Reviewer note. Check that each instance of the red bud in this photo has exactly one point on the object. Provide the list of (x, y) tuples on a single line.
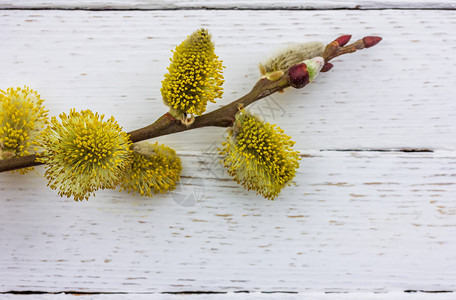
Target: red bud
[(298, 75), (327, 67), (370, 41), (343, 40)]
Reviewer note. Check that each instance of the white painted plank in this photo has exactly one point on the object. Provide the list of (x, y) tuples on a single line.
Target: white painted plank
[(223, 4), (249, 296), (354, 222), (396, 95)]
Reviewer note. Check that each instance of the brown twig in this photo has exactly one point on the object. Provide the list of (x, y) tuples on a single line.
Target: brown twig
[(224, 116)]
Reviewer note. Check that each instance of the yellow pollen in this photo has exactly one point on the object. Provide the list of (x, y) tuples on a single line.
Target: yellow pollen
[(194, 76), (259, 155), (155, 169), (83, 153), (22, 116)]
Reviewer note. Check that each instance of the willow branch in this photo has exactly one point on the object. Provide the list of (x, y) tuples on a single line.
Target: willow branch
[(224, 116)]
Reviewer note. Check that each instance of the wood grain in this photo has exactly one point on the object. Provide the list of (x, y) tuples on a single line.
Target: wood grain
[(396, 95), (248, 296), (223, 4), (358, 222), (354, 222)]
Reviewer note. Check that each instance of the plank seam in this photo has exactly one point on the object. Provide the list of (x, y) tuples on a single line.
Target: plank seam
[(405, 150), (450, 8), (194, 292)]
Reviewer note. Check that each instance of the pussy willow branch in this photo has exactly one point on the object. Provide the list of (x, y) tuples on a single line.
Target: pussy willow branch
[(222, 117)]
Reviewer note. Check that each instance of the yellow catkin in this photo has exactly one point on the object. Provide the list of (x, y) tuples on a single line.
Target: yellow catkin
[(194, 76), (22, 117), (259, 155), (84, 153), (155, 169)]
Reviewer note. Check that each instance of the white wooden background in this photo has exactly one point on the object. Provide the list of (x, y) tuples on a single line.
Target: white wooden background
[(373, 212)]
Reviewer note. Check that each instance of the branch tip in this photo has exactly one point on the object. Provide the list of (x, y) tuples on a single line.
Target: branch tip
[(327, 67), (343, 40), (371, 41)]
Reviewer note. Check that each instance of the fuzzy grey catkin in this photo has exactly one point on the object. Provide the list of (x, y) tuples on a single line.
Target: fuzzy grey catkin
[(290, 56)]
